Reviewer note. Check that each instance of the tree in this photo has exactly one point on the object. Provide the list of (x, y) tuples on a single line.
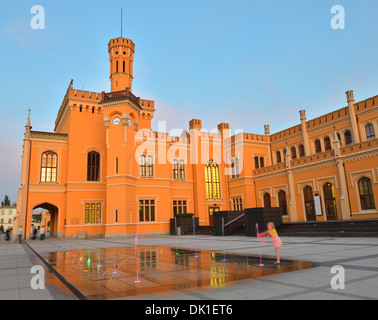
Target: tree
[(6, 202)]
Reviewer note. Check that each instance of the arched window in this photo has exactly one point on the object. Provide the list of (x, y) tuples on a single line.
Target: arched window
[(93, 167), (142, 166), (366, 194), (282, 202), (262, 162), (124, 67), (182, 170), (309, 203), (318, 146), (117, 66), (150, 166), (235, 167), (330, 201), (301, 151), (370, 134), (267, 200), (212, 181), (327, 144), (293, 153), (256, 162), (175, 169), (278, 157), (49, 167), (348, 137)]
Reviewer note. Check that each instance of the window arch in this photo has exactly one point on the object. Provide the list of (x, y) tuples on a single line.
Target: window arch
[(93, 166), (212, 181), (348, 137), (49, 167), (366, 194), (327, 144), (267, 203), (257, 166), (330, 201), (370, 133), (282, 202), (150, 166), (318, 146)]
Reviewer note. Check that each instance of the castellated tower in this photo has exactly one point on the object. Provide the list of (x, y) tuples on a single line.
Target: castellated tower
[(121, 57)]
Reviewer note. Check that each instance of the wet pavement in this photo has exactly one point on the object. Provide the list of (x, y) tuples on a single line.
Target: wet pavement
[(108, 273)]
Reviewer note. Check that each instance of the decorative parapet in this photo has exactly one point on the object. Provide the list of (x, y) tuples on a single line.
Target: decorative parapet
[(48, 136)]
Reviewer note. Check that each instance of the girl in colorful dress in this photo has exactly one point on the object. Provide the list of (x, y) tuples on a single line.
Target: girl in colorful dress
[(277, 243)]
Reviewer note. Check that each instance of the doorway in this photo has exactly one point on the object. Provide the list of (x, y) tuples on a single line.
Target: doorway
[(211, 214)]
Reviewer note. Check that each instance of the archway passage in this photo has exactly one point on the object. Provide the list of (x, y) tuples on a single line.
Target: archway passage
[(45, 214)]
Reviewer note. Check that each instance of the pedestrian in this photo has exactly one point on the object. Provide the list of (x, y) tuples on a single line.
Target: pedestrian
[(34, 233), (19, 233), (7, 235), (276, 240), (42, 232)]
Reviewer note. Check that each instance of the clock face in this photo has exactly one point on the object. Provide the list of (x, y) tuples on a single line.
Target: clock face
[(116, 121)]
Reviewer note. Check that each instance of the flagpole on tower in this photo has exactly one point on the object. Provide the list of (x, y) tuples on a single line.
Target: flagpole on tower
[(121, 21)]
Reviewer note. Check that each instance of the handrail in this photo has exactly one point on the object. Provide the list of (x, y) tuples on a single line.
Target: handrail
[(232, 221)]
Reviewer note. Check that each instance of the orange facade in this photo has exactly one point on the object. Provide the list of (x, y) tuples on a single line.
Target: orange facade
[(103, 171)]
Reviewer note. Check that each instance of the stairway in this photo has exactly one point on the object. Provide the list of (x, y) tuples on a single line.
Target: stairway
[(205, 230), (350, 228)]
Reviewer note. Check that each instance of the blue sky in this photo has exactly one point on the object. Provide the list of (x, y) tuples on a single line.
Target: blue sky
[(245, 62)]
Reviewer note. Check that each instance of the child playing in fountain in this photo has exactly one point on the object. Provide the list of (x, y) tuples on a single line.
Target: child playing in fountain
[(277, 243)]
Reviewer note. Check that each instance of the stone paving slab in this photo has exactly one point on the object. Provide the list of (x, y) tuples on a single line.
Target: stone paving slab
[(358, 257)]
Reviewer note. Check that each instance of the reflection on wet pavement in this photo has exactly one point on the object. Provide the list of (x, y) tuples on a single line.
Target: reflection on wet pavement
[(131, 271)]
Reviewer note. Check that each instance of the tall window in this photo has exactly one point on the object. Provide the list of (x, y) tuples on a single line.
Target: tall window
[(293, 153), (370, 134), (49, 167), (366, 194), (182, 169), (267, 200), (235, 167), (175, 169), (146, 166), (327, 144), (92, 213), (212, 180), (146, 210), (262, 162), (318, 146), (348, 137), (142, 166), (93, 169), (150, 166), (256, 162), (330, 201), (301, 151), (278, 157), (282, 202), (309, 203)]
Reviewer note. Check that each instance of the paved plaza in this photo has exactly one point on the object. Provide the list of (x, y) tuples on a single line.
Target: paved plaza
[(357, 256)]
